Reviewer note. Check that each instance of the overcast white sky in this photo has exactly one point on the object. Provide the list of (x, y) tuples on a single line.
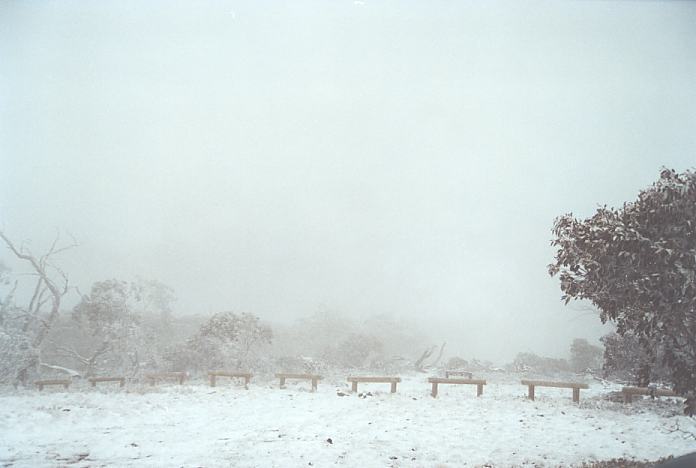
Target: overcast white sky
[(403, 157)]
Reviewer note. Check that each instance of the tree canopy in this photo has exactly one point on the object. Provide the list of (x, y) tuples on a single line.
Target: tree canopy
[(637, 265)]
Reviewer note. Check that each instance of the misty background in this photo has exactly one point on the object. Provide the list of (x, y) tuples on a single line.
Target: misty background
[(403, 158)]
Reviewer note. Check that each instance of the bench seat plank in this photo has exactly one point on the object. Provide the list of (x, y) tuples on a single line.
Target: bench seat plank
[(298, 376), (313, 377), (456, 381), (95, 380), (213, 375), (180, 376), (466, 374), (42, 383), (546, 383), (628, 392), (372, 379), (375, 379), (435, 381), (576, 386)]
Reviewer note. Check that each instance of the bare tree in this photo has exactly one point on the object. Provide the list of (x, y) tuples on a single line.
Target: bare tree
[(34, 321)]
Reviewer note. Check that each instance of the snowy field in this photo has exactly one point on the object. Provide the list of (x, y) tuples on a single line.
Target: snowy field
[(196, 425)]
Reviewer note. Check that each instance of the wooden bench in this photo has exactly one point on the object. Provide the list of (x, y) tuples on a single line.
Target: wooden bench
[(465, 374), (390, 380), (437, 381), (213, 375), (153, 378), (94, 380), (314, 378), (543, 383), (43, 383), (628, 392)]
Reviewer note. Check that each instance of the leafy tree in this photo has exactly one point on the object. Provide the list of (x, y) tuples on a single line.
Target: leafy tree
[(356, 350), (119, 327), (637, 265), (229, 339), (16, 351), (625, 358), (584, 356), (110, 321), (155, 298)]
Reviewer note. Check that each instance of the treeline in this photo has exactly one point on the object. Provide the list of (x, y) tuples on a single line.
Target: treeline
[(127, 328)]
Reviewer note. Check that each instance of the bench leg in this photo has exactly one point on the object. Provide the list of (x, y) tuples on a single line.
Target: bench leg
[(40, 387), (94, 383), (314, 385), (576, 395), (282, 382), (628, 398), (434, 392), (531, 392), (479, 390), (212, 380), (393, 387), (246, 383), (354, 387), (122, 382)]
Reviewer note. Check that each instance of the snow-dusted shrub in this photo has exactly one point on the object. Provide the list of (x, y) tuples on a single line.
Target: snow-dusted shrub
[(341, 342), (530, 362), (300, 364), (626, 358), (229, 340), (111, 335), (584, 356), (457, 363), (17, 354), (355, 351)]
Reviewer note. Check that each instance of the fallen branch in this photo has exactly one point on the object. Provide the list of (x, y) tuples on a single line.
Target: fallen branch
[(65, 370)]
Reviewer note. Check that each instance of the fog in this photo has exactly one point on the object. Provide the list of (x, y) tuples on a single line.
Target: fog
[(402, 158)]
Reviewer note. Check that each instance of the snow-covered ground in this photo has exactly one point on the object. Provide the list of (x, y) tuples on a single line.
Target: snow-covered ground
[(195, 425)]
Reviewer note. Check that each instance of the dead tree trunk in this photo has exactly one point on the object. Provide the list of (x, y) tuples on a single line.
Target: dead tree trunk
[(439, 355), (420, 365), (47, 290)]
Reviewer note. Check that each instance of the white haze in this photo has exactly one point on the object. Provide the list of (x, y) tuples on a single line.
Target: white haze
[(368, 157)]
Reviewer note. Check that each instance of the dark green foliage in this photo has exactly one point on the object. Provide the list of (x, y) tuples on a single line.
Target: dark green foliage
[(637, 265), (627, 359)]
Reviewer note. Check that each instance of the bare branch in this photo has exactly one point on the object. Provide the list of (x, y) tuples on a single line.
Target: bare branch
[(70, 372), (678, 430), (39, 266), (38, 302)]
